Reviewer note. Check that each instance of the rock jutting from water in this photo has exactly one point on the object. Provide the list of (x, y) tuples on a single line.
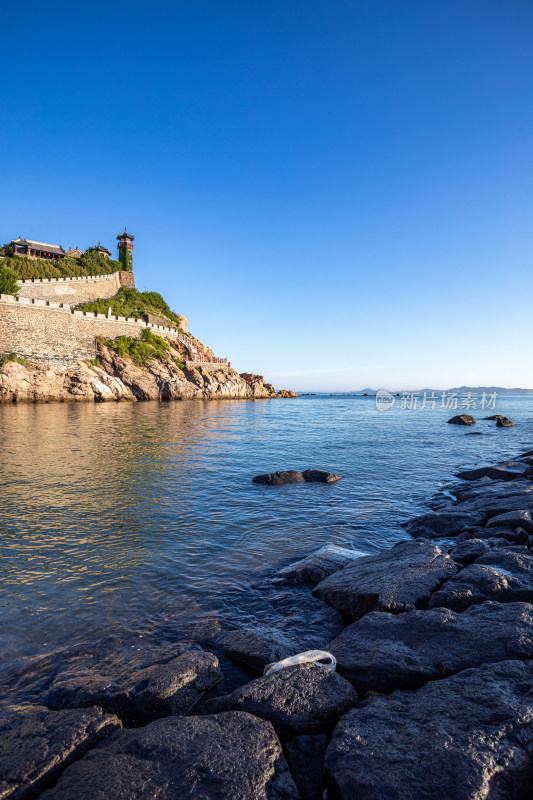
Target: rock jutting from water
[(293, 476), (432, 698)]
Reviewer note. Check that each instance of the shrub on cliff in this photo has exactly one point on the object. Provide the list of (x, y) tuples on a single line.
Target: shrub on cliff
[(8, 279), (140, 350), (28, 269)]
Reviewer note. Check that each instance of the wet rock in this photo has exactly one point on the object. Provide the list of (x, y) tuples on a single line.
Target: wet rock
[(279, 478), (513, 519), (396, 580), (255, 648), (486, 490), (444, 523), (383, 652), (318, 565), (504, 575), (302, 699), (232, 755), (504, 423), (293, 476), (158, 690), (320, 476), (462, 419), (509, 471), (466, 552), (37, 744), (494, 417), (466, 737), (305, 756), (516, 536)]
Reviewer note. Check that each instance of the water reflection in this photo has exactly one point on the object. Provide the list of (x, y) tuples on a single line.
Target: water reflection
[(121, 515)]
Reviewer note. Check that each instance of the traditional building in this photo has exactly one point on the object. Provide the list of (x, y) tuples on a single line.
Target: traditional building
[(73, 252), (102, 251), (125, 250), (31, 249)]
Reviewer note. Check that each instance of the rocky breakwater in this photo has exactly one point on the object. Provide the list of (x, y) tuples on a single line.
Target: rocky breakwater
[(113, 377), (432, 697)]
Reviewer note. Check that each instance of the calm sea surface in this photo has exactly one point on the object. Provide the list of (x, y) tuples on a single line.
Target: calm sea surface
[(118, 516)]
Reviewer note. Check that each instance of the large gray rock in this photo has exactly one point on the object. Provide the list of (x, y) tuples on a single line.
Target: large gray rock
[(396, 580), (232, 755), (257, 647), (508, 471), (520, 518), (383, 652), (445, 522), (304, 698), (503, 574), (36, 745), (158, 690), (466, 552), (467, 737), (318, 565)]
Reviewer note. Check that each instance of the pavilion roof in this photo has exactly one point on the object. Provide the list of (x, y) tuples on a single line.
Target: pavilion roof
[(46, 248)]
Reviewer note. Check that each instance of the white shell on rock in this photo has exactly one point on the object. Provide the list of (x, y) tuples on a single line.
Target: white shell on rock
[(320, 657)]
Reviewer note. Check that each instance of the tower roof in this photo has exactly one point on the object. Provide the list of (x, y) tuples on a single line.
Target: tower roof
[(126, 235)]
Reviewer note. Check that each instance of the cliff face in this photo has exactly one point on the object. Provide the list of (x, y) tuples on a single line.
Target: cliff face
[(118, 378)]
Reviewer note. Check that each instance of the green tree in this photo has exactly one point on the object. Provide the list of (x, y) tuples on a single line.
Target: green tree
[(8, 280)]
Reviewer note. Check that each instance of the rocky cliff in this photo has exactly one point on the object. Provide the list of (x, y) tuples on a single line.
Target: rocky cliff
[(116, 377)]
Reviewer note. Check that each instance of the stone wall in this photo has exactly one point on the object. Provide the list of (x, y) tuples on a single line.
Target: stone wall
[(73, 291), (49, 333)]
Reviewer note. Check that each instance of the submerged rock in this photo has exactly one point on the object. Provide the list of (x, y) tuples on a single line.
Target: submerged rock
[(304, 698), (318, 565), (504, 575), (293, 476), (158, 690), (383, 652), (233, 755), (466, 737), (462, 419), (37, 744), (396, 580)]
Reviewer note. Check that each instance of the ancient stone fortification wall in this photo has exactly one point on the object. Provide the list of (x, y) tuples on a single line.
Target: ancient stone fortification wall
[(73, 291), (48, 333)]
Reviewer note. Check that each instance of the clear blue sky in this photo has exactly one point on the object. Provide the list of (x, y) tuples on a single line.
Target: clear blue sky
[(336, 193)]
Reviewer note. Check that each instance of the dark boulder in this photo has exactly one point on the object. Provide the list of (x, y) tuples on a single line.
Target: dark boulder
[(137, 696), (293, 476), (521, 518), (444, 523), (466, 737), (462, 419), (383, 652), (320, 476), (504, 423), (302, 699), (305, 756), (318, 565), (231, 755), (503, 574), (509, 471), (494, 417), (256, 647), (396, 580), (467, 551), (37, 744), (279, 478)]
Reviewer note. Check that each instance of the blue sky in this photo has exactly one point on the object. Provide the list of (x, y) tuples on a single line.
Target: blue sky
[(336, 193)]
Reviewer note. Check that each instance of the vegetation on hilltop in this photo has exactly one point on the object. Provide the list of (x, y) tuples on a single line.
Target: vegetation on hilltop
[(27, 269), (132, 303)]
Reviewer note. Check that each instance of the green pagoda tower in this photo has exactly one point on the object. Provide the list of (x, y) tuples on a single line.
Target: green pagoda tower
[(125, 250)]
